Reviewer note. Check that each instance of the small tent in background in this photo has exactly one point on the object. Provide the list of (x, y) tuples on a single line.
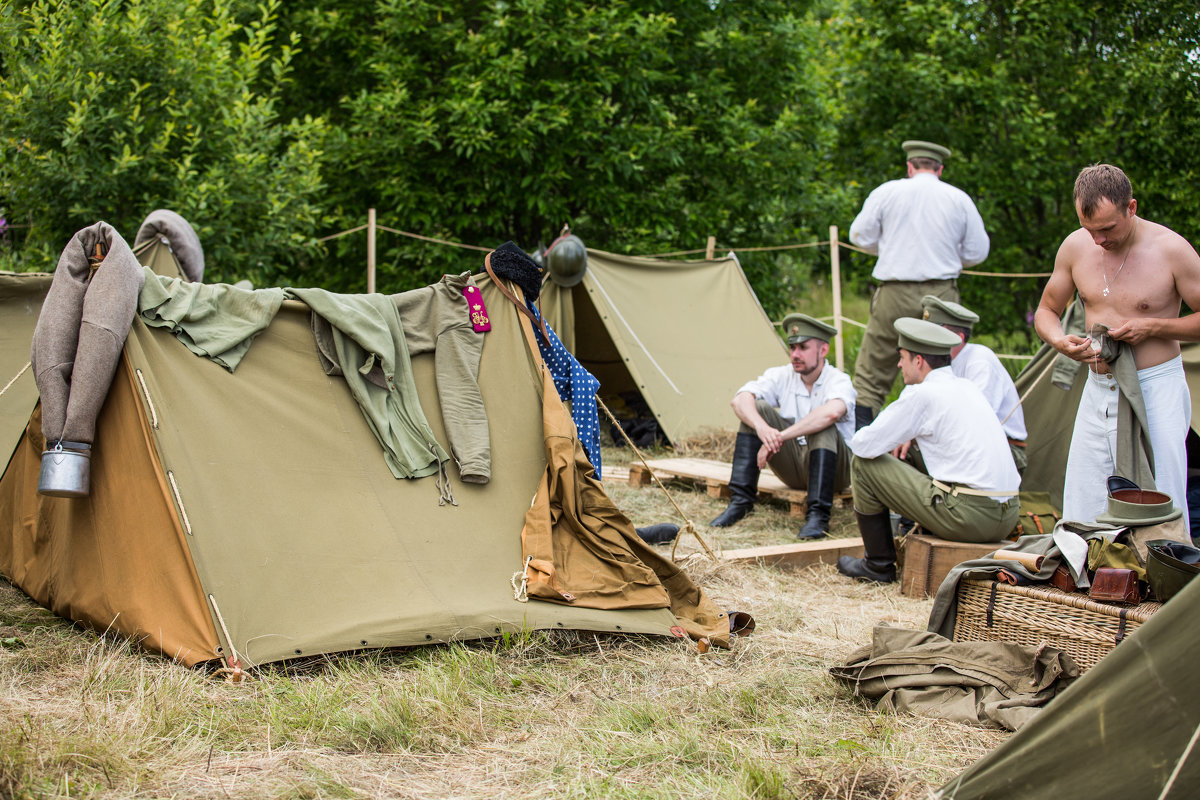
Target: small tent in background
[(255, 509), (684, 335)]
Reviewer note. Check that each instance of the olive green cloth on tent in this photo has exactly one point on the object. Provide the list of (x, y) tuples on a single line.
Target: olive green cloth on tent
[(437, 319), (368, 348), (81, 330), (216, 321), (974, 683)]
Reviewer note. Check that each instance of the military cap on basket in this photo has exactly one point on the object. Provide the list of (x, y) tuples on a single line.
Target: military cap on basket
[(915, 148), (1135, 508), (800, 328), (947, 312), (924, 337)]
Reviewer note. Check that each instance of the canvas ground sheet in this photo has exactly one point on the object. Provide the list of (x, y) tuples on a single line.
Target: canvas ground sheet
[(259, 503)]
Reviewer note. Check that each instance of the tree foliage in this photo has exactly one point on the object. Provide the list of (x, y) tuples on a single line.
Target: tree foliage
[(647, 126), (111, 109), (1026, 93)]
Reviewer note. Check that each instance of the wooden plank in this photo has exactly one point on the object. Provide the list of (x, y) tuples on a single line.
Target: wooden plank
[(714, 476), (799, 555), (616, 474)]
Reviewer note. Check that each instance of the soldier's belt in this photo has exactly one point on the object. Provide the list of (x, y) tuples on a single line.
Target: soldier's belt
[(957, 490)]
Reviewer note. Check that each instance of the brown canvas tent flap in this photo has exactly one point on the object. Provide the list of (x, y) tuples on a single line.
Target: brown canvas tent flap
[(254, 510), (683, 334)]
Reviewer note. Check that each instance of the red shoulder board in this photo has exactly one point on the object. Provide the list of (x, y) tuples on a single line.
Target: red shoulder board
[(478, 311)]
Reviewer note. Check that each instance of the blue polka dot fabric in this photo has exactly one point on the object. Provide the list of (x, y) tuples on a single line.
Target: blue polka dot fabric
[(576, 387)]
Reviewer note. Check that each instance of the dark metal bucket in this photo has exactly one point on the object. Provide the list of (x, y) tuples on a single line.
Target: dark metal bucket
[(66, 471)]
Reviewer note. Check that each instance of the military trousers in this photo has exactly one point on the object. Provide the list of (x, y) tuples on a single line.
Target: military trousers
[(875, 368), (790, 464), (887, 483)]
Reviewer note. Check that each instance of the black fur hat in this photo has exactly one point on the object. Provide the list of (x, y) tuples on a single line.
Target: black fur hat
[(513, 263)]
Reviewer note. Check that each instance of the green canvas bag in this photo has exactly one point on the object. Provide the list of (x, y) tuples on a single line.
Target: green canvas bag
[(1038, 514)]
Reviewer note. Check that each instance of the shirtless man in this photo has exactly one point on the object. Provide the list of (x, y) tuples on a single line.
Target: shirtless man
[(1132, 275)]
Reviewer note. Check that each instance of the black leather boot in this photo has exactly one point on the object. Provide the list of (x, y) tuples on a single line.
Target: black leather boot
[(743, 480), (658, 534), (863, 416), (879, 565), (822, 471)]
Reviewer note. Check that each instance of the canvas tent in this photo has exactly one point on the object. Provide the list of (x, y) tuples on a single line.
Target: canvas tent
[(682, 334), (254, 509)]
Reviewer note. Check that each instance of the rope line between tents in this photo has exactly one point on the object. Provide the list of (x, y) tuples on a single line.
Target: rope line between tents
[(632, 333), (687, 523), (762, 249)]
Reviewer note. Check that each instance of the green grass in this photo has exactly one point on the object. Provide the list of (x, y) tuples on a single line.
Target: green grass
[(529, 714)]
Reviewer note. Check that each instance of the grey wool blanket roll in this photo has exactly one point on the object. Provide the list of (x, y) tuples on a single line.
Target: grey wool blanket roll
[(81, 331)]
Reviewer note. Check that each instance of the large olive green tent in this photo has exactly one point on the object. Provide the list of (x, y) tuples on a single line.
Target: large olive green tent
[(683, 334), (254, 509)]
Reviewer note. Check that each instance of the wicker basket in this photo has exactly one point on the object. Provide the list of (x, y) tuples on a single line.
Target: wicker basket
[(990, 611)]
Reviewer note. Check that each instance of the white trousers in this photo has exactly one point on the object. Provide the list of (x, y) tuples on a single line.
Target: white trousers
[(1093, 455)]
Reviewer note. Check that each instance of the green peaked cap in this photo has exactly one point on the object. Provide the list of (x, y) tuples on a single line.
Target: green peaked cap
[(915, 148), (947, 312), (925, 337), (801, 327)]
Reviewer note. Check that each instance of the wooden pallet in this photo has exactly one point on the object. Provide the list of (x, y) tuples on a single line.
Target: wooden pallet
[(799, 555), (714, 476)]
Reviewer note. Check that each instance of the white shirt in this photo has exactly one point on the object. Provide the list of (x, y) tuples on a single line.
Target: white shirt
[(784, 389), (957, 431), (921, 228), (980, 366)]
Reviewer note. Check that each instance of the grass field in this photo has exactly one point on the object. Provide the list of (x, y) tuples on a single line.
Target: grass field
[(535, 715)]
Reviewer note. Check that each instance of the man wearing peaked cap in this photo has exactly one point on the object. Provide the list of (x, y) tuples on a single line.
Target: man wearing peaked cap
[(924, 232), (797, 418), (980, 366), (969, 493)]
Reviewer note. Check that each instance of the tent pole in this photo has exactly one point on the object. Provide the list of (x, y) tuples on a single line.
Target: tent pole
[(710, 248), (370, 250), (837, 294)]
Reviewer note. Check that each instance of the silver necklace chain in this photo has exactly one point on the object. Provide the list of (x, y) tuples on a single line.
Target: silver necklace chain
[(1104, 270)]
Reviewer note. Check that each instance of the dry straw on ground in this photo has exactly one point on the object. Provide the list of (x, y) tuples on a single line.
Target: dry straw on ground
[(535, 715)]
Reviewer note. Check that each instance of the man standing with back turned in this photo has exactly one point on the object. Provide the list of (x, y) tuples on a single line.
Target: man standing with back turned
[(924, 231), (1132, 276)]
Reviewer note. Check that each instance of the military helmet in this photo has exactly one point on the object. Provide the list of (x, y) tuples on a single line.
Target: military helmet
[(1169, 566), (566, 260)]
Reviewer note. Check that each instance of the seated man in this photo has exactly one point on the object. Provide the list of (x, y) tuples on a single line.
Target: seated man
[(970, 492), (797, 418), (981, 367)]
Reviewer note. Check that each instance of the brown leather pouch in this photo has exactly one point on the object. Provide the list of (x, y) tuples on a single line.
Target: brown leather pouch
[(1115, 585), (1062, 579)]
